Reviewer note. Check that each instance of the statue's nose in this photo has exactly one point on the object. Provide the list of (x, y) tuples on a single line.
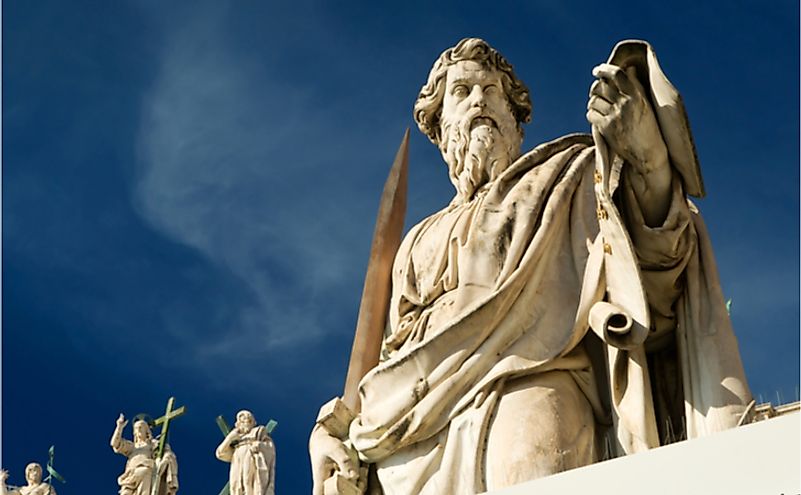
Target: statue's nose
[(478, 98), (479, 101)]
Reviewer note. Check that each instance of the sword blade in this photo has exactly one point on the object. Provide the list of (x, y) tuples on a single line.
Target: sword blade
[(378, 281)]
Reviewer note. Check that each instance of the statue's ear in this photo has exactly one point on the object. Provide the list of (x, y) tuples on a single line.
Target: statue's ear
[(668, 107), (435, 133)]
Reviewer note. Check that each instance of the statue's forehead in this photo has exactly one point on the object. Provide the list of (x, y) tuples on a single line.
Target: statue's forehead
[(470, 70)]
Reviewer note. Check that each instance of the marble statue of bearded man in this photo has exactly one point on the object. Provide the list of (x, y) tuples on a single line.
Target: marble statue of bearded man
[(35, 486), (564, 307), (251, 452), (142, 468)]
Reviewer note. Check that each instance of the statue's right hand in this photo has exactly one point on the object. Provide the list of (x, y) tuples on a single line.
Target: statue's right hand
[(121, 421), (329, 456)]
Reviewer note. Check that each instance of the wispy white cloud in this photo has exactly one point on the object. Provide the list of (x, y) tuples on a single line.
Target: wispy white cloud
[(235, 162)]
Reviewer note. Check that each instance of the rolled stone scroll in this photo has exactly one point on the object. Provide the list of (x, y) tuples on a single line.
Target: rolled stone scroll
[(616, 327)]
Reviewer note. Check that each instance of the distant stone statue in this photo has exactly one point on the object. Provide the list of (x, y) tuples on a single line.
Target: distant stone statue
[(144, 469), (250, 450), (564, 307), (35, 486)]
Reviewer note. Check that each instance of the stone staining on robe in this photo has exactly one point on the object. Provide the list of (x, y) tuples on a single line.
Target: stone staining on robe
[(251, 452), (565, 306), (142, 464)]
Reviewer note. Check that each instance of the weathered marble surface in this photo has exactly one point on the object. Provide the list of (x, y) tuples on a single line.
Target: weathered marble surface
[(564, 307), (758, 458), (142, 463), (251, 452), (34, 486)]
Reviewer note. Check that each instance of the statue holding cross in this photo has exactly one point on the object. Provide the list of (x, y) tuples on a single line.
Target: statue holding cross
[(35, 486), (33, 475), (251, 452), (152, 468)]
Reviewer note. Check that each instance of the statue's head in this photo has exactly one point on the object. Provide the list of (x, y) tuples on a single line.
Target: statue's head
[(245, 421), (141, 431), (33, 473), (473, 107)]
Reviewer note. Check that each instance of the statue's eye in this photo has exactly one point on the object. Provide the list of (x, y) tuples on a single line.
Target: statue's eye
[(492, 89), (460, 91)]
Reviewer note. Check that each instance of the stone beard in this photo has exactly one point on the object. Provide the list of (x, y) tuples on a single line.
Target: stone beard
[(477, 148), (500, 365)]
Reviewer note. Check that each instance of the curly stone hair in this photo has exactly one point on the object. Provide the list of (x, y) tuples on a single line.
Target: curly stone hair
[(428, 107)]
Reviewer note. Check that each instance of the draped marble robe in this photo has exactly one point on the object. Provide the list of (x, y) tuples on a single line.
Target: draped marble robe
[(137, 479), (490, 289), (38, 489), (252, 463)]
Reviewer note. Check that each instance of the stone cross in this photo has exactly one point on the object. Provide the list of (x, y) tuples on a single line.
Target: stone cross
[(225, 429), (51, 472), (164, 421)]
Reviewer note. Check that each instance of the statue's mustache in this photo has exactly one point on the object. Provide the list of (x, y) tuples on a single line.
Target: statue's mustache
[(476, 117), (483, 120), (471, 119)]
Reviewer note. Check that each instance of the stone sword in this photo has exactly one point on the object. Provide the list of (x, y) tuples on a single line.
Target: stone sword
[(336, 415), (378, 280)]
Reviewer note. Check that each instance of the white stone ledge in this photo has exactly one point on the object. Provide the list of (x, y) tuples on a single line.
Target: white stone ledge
[(759, 459)]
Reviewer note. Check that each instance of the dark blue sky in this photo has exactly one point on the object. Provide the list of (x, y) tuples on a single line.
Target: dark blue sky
[(189, 191)]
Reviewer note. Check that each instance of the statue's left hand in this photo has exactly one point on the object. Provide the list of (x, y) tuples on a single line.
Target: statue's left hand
[(233, 435), (619, 108)]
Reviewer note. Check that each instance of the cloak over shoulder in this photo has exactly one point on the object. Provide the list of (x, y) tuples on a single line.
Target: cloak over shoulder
[(503, 285)]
